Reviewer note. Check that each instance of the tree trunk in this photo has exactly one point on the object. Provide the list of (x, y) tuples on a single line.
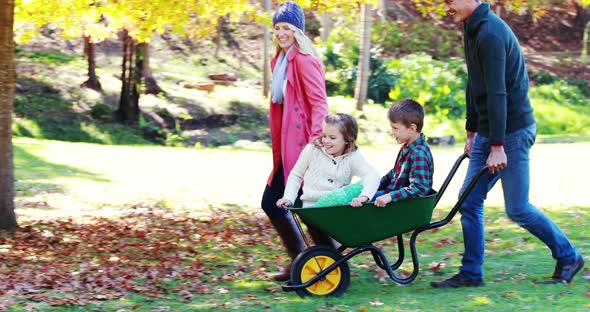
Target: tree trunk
[(584, 55), (90, 54), (582, 15), (266, 54), (362, 77), (327, 26), (498, 10), (382, 10), (7, 80), (128, 111), (151, 86), (218, 38), (137, 74), (392, 10), (583, 19)]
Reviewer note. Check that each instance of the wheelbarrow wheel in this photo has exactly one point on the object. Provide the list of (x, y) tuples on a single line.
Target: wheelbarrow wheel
[(310, 262)]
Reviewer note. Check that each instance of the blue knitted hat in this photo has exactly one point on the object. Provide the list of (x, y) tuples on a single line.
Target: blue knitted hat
[(289, 12)]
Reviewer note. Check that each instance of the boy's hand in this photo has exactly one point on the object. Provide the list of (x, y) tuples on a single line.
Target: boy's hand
[(359, 201), (383, 200), (284, 203)]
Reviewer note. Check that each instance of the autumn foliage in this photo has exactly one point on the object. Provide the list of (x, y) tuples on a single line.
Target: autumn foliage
[(151, 252)]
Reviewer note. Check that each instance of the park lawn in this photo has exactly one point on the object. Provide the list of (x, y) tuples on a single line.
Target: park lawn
[(184, 226)]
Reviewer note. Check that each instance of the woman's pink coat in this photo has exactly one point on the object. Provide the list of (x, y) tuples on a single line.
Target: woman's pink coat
[(299, 119)]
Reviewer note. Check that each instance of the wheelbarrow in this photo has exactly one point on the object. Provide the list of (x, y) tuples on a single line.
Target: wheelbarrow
[(324, 271)]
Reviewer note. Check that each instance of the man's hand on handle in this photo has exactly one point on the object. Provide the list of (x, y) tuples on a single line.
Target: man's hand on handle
[(469, 143), (497, 159)]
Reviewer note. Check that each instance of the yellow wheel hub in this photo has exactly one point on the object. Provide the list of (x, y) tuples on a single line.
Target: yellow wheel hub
[(326, 285)]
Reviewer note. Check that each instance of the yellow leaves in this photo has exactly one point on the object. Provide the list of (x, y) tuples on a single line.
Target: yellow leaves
[(428, 6), (538, 13), (104, 19), (481, 301)]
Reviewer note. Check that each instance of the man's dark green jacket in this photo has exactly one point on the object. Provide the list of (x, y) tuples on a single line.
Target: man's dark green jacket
[(497, 88)]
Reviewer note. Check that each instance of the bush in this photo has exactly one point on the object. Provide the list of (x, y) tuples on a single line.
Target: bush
[(402, 38), (438, 85), (342, 61), (562, 92), (542, 77), (101, 112)]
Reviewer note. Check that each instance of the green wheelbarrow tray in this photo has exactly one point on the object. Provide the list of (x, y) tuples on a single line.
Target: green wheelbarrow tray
[(353, 227), (324, 271)]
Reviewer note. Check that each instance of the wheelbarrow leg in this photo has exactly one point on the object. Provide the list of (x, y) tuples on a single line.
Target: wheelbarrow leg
[(291, 238)]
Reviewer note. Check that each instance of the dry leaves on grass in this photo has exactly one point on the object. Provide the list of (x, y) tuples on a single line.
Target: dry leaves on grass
[(151, 252)]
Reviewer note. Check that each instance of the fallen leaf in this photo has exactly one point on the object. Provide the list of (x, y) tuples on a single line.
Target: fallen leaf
[(273, 289), (376, 302), (509, 294), (436, 266)]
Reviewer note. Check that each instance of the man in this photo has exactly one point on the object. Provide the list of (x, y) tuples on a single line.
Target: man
[(500, 132)]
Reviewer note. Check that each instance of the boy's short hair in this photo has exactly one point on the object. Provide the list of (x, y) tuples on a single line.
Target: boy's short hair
[(407, 112)]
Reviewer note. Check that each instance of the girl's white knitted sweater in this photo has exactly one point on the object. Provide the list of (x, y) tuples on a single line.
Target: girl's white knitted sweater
[(321, 173)]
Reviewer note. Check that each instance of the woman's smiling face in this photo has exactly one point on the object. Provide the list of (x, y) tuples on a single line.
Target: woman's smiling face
[(284, 35)]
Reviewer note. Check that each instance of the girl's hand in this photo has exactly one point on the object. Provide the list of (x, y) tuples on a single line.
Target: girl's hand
[(383, 200), (359, 201), (284, 203)]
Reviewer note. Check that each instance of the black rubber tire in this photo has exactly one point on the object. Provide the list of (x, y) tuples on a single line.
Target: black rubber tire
[(301, 261)]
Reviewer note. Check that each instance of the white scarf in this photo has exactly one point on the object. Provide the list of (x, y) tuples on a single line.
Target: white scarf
[(278, 77)]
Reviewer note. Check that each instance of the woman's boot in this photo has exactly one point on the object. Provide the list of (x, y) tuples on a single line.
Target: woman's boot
[(291, 239), (320, 237)]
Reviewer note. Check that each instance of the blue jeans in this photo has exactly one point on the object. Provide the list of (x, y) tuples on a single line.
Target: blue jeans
[(515, 185)]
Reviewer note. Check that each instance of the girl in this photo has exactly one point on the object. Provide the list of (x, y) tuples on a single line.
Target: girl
[(330, 164)]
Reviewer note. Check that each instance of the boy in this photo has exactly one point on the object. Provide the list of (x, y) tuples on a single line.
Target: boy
[(411, 177)]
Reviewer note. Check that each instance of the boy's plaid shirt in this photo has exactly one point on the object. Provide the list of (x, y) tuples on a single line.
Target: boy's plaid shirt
[(411, 177)]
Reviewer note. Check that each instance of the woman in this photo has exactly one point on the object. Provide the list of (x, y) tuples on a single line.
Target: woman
[(297, 109)]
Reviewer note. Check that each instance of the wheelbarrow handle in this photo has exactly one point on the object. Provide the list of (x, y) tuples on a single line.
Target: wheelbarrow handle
[(450, 177), (462, 196)]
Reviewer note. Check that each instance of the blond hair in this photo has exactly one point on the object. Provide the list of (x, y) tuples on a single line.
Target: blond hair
[(303, 42)]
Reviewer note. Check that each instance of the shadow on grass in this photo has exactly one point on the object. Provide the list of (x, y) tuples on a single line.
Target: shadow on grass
[(29, 166), (243, 121), (42, 112), (31, 193)]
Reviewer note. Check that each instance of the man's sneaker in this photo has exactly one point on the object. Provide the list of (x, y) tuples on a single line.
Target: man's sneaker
[(569, 270), (457, 281), (565, 272), (557, 272)]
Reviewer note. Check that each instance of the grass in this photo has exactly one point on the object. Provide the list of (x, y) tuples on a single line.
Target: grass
[(194, 179), (57, 180)]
